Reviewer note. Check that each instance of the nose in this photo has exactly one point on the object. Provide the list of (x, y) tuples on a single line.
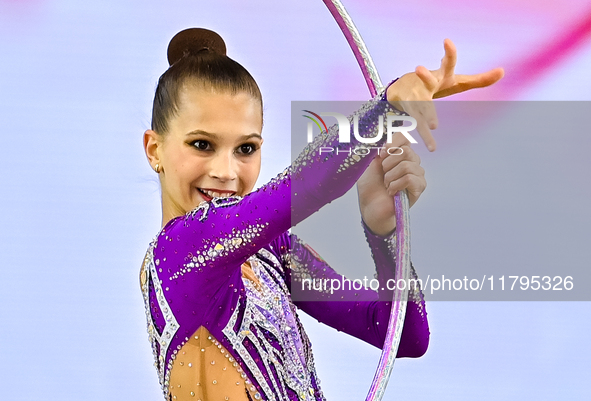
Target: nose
[(223, 167)]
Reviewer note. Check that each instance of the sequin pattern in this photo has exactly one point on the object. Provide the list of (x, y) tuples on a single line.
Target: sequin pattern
[(415, 293), (270, 318), (222, 247), (160, 341), (191, 276)]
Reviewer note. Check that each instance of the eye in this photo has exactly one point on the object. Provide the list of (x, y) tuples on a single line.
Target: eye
[(202, 145), (247, 148)]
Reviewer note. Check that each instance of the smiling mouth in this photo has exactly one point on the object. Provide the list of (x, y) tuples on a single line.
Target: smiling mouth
[(209, 194)]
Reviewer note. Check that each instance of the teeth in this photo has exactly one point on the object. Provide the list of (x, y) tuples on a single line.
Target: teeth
[(214, 194)]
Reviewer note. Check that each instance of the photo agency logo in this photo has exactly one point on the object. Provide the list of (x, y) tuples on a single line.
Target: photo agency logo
[(394, 124)]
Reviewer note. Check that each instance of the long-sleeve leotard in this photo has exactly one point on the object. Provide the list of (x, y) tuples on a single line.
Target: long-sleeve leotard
[(193, 275)]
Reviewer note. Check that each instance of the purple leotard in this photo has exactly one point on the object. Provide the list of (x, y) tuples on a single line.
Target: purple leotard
[(192, 276)]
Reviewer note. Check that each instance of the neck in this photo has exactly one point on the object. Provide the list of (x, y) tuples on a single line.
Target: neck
[(170, 211)]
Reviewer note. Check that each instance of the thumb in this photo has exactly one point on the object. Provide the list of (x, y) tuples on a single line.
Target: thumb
[(427, 78)]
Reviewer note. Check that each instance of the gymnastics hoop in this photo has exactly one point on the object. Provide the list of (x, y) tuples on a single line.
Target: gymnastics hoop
[(398, 311)]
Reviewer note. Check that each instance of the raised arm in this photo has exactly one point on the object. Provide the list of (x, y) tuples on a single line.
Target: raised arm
[(212, 241)]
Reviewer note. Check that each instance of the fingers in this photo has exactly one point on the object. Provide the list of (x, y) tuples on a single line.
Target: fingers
[(468, 82), (398, 140), (450, 58), (432, 79), (414, 185), (406, 153), (481, 80), (426, 115), (426, 135), (427, 77), (404, 172), (397, 164)]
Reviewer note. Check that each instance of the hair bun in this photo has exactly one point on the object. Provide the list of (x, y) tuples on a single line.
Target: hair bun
[(193, 41)]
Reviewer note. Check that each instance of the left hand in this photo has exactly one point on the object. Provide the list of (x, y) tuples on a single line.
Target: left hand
[(386, 175)]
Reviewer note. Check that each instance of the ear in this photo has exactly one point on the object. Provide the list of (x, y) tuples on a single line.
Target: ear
[(152, 143)]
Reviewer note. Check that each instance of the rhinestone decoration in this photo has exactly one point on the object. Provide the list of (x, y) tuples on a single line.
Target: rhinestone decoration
[(236, 239), (263, 338), (160, 343), (270, 317)]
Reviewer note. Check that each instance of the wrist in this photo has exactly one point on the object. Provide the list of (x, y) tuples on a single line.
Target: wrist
[(383, 229), (390, 92), (379, 230), (392, 95)]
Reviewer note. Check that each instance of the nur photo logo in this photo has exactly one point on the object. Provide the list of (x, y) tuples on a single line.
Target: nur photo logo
[(394, 124)]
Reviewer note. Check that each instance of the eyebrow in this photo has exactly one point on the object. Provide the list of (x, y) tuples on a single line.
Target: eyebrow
[(212, 135)]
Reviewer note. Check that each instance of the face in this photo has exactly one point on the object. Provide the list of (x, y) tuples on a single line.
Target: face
[(212, 149)]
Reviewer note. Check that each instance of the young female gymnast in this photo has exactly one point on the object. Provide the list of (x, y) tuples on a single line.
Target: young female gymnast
[(218, 278)]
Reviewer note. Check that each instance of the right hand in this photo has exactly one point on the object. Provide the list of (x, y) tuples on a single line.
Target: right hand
[(413, 92)]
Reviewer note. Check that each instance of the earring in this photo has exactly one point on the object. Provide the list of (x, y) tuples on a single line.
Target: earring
[(157, 168)]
